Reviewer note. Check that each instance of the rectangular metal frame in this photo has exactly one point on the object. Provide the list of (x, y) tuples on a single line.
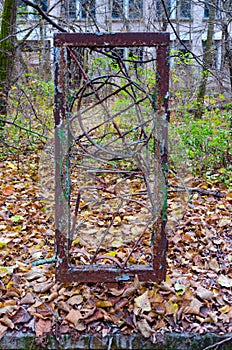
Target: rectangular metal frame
[(104, 273)]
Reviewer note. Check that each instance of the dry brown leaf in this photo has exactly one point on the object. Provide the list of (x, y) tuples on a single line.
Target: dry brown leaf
[(51, 297), (75, 300), (34, 274), (42, 326), (204, 293), (159, 324), (63, 306), (194, 307), (142, 304), (28, 299), (73, 316), (129, 292), (80, 327), (121, 303), (213, 265), (171, 307), (43, 287), (116, 292), (98, 315), (8, 190), (225, 281), (144, 328), (7, 322), (3, 330), (7, 306), (21, 316)]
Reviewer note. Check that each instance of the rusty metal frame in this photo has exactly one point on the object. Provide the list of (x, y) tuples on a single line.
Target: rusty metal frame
[(105, 273)]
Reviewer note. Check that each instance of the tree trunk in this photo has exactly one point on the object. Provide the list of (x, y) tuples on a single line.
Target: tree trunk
[(7, 51), (207, 61), (228, 52)]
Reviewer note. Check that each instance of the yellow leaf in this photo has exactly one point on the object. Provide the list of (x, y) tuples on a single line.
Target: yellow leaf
[(225, 309), (168, 280), (112, 253), (11, 165), (104, 303), (76, 241), (171, 308), (6, 270)]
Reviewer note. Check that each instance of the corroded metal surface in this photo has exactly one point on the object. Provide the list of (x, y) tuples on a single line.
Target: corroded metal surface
[(67, 80)]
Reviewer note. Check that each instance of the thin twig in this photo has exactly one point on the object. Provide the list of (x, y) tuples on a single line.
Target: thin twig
[(218, 343)]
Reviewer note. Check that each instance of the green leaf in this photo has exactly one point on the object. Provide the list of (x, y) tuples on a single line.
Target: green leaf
[(16, 218)]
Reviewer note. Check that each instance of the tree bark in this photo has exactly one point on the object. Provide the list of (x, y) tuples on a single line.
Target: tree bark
[(7, 51), (207, 60)]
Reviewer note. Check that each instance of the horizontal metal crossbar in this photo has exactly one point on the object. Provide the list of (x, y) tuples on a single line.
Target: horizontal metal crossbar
[(111, 39)]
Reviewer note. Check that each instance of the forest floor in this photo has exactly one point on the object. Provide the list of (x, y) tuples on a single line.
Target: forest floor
[(196, 296)]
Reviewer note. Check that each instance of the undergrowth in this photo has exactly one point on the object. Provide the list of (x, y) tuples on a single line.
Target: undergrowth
[(207, 144)]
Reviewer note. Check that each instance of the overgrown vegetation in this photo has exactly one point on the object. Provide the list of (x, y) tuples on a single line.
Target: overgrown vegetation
[(30, 116), (207, 143)]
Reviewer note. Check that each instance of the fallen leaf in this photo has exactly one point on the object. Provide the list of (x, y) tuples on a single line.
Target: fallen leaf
[(63, 306), (104, 303), (42, 326), (225, 309), (194, 307), (75, 300), (80, 327), (7, 306), (171, 307), (7, 322), (3, 330), (8, 190), (43, 287), (142, 304), (28, 299), (225, 281), (34, 273), (21, 316), (204, 293), (213, 265), (6, 270), (73, 316), (144, 328)]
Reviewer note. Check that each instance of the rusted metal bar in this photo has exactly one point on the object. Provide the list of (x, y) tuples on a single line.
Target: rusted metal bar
[(111, 39), (66, 272)]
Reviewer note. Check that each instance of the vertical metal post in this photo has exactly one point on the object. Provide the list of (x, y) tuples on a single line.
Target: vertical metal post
[(62, 142)]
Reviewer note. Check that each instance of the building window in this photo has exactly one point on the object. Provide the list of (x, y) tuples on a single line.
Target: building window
[(127, 8), (76, 9), (207, 7), (117, 9), (185, 9), (172, 7), (160, 11)]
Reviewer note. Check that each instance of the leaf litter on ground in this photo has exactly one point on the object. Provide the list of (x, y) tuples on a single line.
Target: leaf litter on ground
[(195, 297)]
